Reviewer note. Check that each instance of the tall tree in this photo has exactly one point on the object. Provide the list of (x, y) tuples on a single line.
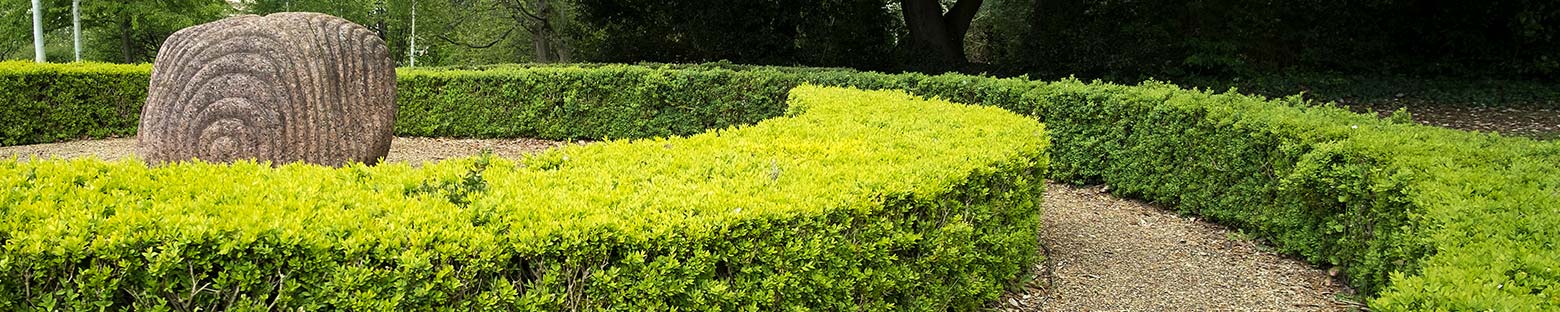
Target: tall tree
[(854, 33), (137, 28), (936, 34), (539, 18), (483, 34), (443, 27), (17, 25), (13, 20)]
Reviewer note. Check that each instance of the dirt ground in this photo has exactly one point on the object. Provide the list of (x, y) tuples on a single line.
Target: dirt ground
[(411, 150), (1109, 254), (1534, 122)]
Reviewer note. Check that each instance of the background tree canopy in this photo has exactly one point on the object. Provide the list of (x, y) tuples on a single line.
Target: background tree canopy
[(127, 31), (1042, 38), (1216, 37), (854, 33)]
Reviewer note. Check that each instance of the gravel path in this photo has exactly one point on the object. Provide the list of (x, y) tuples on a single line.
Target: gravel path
[(1103, 253), (1110, 254), (412, 150), (418, 150)]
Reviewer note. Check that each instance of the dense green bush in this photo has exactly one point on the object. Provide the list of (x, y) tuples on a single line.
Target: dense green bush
[(1385, 201), (624, 101), (856, 200), (1421, 218), (566, 102), (47, 103), (56, 102), (1426, 218)]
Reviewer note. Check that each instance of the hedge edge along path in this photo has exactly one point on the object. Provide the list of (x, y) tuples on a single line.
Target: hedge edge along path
[(870, 200), (1421, 218)]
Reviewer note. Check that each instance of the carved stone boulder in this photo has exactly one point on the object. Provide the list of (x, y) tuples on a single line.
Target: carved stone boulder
[(284, 87)]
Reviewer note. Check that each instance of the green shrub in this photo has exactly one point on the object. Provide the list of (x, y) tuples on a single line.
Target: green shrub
[(53, 102), (1426, 218), (1421, 218), (570, 102), (855, 200), (45, 103)]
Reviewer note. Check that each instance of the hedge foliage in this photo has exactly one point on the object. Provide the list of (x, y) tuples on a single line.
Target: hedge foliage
[(52, 102), (1424, 218), (841, 205), (45, 103), (1403, 208), (1421, 218)]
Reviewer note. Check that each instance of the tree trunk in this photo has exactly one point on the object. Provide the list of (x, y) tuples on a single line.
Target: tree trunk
[(380, 12), (543, 35), (536, 17), (561, 47), (126, 38), (75, 27), (936, 34), (37, 24), (564, 54), (411, 47)]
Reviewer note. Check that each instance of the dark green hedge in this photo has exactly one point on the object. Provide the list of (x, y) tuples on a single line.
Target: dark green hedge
[(1420, 217), (60, 102), (564, 103), (1424, 218), (49, 103), (841, 205)]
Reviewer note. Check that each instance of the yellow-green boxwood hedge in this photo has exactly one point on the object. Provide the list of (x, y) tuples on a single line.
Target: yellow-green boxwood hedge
[(856, 200), (1420, 218)]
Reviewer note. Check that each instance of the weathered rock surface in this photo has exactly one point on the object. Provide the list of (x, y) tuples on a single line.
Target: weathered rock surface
[(284, 87)]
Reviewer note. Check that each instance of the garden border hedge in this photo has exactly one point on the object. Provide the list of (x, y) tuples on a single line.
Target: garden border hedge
[(44, 103), (1420, 218), (840, 205)]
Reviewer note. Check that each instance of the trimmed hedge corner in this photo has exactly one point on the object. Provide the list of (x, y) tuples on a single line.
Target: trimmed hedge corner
[(856, 200)]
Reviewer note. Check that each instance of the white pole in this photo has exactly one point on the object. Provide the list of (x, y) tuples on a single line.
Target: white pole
[(75, 28), (38, 31), (411, 50)]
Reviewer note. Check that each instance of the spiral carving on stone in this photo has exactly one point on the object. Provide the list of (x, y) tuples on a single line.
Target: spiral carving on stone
[(284, 87)]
